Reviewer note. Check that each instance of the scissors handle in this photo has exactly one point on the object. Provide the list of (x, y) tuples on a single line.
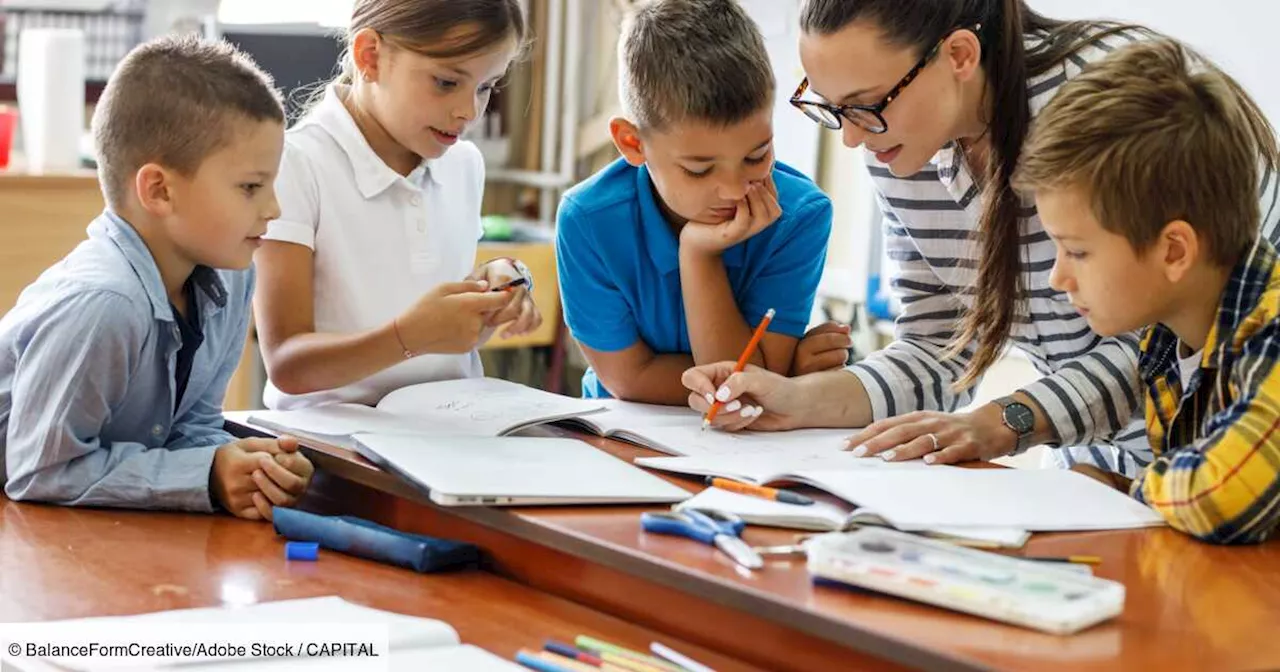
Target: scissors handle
[(665, 523), (727, 523)]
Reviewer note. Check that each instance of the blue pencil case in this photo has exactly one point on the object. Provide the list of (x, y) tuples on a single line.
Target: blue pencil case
[(365, 539)]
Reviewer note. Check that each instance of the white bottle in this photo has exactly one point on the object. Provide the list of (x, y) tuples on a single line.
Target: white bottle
[(51, 65)]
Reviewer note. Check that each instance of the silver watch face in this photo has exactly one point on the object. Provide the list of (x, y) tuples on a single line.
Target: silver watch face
[(1020, 418)]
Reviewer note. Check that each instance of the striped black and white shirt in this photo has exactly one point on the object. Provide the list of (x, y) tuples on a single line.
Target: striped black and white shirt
[(1090, 390)]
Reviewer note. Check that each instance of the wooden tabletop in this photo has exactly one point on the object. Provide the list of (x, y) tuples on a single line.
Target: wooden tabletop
[(58, 563), (1188, 606)]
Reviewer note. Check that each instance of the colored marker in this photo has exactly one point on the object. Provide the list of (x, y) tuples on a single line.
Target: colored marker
[(566, 662), (533, 661), (568, 651), (612, 653)]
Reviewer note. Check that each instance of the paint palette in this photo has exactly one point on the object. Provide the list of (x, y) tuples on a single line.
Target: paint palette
[(1031, 594)]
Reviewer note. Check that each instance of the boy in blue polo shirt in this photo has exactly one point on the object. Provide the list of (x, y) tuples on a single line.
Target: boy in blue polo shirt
[(670, 256)]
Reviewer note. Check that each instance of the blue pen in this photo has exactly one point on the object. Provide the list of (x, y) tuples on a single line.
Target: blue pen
[(532, 661), (571, 652)]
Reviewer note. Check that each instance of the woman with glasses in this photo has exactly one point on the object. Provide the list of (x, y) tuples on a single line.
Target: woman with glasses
[(941, 94)]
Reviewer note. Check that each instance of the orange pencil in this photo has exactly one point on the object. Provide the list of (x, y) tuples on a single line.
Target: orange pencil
[(760, 491), (742, 363)]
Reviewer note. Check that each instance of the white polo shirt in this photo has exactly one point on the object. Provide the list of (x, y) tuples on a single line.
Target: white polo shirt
[(381, 240)]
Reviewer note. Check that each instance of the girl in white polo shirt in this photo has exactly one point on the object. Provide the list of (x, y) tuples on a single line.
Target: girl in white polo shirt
[(365, 283)]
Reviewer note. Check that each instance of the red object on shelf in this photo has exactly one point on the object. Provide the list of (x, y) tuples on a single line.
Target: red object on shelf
[(8, 126)]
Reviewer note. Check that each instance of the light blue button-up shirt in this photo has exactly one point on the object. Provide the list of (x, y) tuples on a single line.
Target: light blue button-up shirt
[(87, 360)]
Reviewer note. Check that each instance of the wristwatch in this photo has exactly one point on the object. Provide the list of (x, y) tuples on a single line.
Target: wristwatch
[(520, 268), (1018, 417)]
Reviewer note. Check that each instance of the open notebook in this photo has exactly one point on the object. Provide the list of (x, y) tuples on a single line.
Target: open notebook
[(678, 431), (827, 517), (912, 496), (492, 407), (466, 407), (927, 498), (415, 643), (1038, 500)]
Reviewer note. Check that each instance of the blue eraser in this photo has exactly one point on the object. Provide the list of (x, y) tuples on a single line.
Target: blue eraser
[(301, 550)]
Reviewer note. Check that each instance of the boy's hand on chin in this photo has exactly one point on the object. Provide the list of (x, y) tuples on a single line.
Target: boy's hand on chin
[(757, 211)]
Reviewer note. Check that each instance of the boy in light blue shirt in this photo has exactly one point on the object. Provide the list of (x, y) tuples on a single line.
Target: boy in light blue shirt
[(672, 255), (115, 362)]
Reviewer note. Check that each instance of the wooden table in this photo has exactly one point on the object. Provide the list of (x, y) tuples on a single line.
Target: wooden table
[(60, 563), (1189, 605)]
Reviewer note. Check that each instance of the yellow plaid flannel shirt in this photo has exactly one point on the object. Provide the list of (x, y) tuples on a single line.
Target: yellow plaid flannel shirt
[(1216, 474)]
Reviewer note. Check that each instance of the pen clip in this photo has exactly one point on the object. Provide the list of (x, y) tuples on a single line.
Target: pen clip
[(510, 284)]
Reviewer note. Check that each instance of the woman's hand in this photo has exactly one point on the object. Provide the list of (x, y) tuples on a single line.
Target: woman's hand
[(938, 438), (755, 398)]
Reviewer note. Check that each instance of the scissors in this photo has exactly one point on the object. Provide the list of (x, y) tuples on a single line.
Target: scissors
[(715, 528)]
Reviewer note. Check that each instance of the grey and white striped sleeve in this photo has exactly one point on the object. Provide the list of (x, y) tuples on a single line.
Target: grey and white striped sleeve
[(914, 372), (1093, 397), (1269, 200)]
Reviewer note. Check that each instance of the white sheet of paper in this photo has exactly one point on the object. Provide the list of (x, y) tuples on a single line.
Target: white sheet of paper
[(690, 440), (338, 420), (481, 406), (638, 418), (1039, 500), (757, 467)]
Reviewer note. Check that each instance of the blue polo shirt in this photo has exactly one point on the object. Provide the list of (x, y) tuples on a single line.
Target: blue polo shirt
[(619, 267)]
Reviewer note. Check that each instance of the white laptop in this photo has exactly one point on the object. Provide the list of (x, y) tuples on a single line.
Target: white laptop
[(514, 471)]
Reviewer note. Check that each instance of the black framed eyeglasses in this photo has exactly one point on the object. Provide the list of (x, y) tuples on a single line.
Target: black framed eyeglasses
[(869, 118)]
